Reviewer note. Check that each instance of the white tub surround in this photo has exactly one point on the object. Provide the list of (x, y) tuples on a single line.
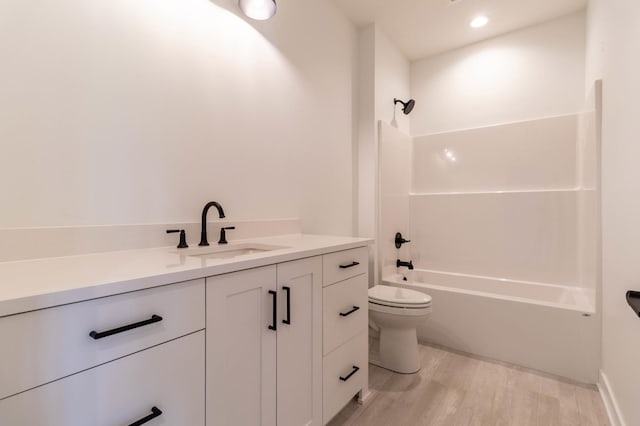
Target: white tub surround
[(550, 328), (116, 322), (503, 228), (507, 201), (395, 185), (526, 236), (527, 155)]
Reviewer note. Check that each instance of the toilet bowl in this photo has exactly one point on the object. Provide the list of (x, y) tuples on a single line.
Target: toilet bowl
[(397, 312)]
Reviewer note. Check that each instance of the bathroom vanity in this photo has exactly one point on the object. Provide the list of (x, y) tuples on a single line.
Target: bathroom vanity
[(274, 333)]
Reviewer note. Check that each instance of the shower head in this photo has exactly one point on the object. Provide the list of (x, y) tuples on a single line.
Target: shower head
[(407, 107)]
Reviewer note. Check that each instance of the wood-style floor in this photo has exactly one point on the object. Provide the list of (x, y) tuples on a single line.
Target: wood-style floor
[(457, 390)]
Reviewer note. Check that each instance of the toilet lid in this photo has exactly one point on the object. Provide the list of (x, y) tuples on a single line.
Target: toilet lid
[(384, 294)]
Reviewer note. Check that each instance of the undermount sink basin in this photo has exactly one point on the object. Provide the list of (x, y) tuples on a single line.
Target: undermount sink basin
[(228, 252)]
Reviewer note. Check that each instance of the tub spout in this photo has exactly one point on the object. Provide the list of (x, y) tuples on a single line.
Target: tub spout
[(408, 264)]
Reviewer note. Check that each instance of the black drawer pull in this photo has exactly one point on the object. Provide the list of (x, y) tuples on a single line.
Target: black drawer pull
[(355, 370), (288, 320), (99, 335), (274, 324), (351, 265), (346, 314), (155, 412)]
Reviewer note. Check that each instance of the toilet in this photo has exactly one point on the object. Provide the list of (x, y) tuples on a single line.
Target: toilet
[(396, 312)]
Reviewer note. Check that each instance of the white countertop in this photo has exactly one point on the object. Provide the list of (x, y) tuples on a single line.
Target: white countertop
[(41, 283)]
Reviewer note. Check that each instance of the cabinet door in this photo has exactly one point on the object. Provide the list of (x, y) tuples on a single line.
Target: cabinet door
[(300, 342), (169, 377), (241, 349)]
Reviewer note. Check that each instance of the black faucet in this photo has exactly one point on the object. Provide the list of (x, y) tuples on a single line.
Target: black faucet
[(223, 234), (203, 232), (183, 237), (408, 264)]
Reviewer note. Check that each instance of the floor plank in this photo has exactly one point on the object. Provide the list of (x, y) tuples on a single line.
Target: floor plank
[(454, 389)]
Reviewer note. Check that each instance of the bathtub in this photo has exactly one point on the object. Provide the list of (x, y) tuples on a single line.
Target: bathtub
[(551, 328)]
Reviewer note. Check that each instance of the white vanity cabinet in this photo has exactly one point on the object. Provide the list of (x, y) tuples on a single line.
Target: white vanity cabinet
[(345, 329), (41, 346), (107, 361), (271, 341), (165, 381), (241, 349), (264, 346)]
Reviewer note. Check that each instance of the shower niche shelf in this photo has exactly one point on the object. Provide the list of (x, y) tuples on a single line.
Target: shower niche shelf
[(633, 299)]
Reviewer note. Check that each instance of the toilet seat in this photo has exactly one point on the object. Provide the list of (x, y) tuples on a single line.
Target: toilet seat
[(395, 297), (400, 311)]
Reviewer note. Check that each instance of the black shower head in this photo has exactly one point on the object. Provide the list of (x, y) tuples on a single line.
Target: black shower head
[(407, 107)]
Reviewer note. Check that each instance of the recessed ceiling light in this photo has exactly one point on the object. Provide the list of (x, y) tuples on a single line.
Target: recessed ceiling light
[(479, 21)]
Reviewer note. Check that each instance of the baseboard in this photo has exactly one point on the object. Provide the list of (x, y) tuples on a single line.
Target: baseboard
[(609, 400)]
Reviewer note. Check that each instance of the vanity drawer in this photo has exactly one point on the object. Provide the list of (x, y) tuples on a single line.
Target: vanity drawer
[(345, 264), (45, 345), (338, 385), (169, 377), (345, 311)]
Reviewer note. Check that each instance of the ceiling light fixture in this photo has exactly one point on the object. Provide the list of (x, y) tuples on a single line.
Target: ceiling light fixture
[(479, 21), (259, 10)]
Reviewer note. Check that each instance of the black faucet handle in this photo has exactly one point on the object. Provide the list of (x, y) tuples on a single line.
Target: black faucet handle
[(223, 234), (400, 241), (183, 237)]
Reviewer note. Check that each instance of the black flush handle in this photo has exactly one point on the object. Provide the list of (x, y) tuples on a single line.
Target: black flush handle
[(100, 334), (348, 376), (346, 314), (633, 299), (155, 412), (350, 265)]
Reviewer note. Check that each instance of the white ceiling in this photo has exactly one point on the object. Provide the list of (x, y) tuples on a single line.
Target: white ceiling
[(421, 28)]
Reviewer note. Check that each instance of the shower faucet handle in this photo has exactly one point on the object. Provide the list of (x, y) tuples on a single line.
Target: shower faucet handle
[(400, 241)]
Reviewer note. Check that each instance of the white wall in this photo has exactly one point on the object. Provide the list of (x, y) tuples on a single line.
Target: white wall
[(367, 133), (382, 75), (140, 112), (531, 73), (613, 27), (595, 42), (392, 80)]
